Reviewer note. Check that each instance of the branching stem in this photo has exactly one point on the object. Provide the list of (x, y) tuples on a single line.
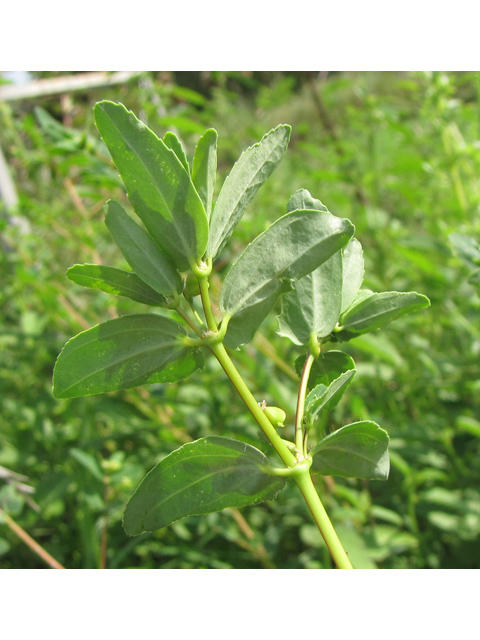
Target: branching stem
[(296, 462)]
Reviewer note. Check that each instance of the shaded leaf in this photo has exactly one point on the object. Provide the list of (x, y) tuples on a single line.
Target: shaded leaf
[(314, 304), (358, 450), (292, 247), (124, 353), (204, 168), (326, 397), (326, 368), (116, 281), (207, 475), (142, 252), (370, 311), (248, 174), (159, 188)]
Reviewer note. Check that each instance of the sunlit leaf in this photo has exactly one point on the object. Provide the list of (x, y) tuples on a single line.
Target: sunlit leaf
[(204, 168), (292, 247), (353, 271), (173, 143), (370, 311), (248, 174), (302, 199)]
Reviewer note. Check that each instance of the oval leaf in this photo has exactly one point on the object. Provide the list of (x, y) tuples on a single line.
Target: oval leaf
[(116, 281), (292, 247), (204, 168), (207, 475), (358, 450), (314, 305), (159, 188), (124, 353), (142, 252), (248, 174), (371, 311)]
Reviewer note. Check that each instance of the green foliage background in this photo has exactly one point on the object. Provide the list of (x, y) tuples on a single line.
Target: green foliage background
[(398, 154)]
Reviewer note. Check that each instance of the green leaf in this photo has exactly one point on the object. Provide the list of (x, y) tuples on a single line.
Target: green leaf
[(370, 311), (302, 199), (204, 168), (292, 247), (248, 174), (323, 397), (175, 145), (358, 450), (124, 353), (159, 188), (314, 305), (141, 252), (88, 462), (326, 368), (353, 271), (116, 281), (207, 475)]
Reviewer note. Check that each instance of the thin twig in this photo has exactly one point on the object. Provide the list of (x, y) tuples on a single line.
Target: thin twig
[(34, 546)]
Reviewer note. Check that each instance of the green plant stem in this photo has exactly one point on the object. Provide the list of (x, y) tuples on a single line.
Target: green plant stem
[(207, 306), (301, 473), (238, 382), (300, 442), (307, 488)]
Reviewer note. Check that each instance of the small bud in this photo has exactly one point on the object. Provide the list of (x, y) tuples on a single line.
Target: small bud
[(276, 416), (192, 288)]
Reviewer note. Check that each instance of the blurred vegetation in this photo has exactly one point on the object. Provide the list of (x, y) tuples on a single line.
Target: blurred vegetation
[(398, 154)]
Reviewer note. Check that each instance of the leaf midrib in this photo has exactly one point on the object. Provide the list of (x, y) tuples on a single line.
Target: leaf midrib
[(241, 304), (116, 361), (226, 229), (205, 477), (379, 313), (157, 189)]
